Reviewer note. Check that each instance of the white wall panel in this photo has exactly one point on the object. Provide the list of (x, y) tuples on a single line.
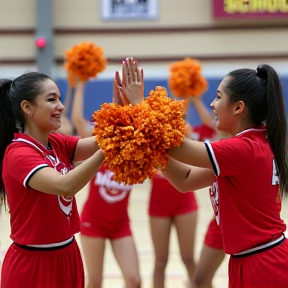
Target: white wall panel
[(17, 14), (19, 46), (215, 43), (87, 13)]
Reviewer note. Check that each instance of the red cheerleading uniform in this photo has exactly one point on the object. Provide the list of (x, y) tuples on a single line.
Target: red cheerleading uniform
[(203, 132), (166, 201), (246, 203), (105, 212), (213, 237), (44, 253)]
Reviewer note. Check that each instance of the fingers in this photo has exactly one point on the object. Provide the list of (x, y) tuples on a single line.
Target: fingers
[(121, 92), (124, 96), (124, 73), (133, 70), (118, 79), (138, 77), (121, 86), (142, 75), (142, 81), (116, 93), (128, 63), (131, 88), (127, 72), (130, 71)]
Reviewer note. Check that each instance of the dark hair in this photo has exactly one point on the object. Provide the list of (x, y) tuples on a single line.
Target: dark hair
[(261, 92), (12, 93)]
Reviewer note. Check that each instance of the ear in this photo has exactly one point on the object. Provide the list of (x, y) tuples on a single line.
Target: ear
[(238, 108), (26, 107)]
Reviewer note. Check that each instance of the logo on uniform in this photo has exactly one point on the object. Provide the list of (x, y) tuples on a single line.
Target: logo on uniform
[(58, 166), (214, 197), (110, 190), (64, 203)]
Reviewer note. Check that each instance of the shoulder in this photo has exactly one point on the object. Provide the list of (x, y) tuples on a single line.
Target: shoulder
[(16, 149), (64, 144), (57, 137), (60, 140), (240, 148), (233, 143), (234, 140), (21, 158)]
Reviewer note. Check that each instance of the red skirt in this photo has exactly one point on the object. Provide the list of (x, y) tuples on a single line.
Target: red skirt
[(213, 236), (267, 269), (166, 201), (57, 268)]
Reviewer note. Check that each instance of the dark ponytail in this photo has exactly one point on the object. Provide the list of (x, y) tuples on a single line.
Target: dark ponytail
[(7, 127), (261, 92), (12, 93), (276, 123)]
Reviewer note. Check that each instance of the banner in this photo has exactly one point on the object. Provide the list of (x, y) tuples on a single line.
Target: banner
[(250, 9), (129, 9)]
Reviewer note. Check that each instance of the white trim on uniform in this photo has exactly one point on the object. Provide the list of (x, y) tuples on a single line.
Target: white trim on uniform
[(112, 199), (211, 152), (65, 209), (28, 142), (209, 146), (251, 129), (261, 246), (52, 244), (33, 171)]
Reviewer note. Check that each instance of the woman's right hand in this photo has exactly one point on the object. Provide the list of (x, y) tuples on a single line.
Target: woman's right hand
[(131, 88)]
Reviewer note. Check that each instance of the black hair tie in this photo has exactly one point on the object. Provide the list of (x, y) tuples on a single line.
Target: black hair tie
[(261, 72)]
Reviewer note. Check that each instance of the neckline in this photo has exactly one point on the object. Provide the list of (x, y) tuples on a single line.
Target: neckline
[(49, 147), (47, 153), (33, 140), (255, 129)]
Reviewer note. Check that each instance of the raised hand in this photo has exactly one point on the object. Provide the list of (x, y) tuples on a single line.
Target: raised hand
[(131, 88), (117, 98), (120, 92)]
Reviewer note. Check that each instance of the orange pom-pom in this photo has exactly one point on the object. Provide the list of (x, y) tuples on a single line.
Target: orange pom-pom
[(135, 139), (186, 79), (84, 61)]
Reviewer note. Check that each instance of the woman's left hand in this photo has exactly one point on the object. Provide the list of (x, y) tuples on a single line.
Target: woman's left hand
[(117, 97)]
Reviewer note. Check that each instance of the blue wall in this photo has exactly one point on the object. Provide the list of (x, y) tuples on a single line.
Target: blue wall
[(100, 91)]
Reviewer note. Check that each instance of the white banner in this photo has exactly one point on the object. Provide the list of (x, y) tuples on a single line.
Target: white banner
[(129, 9)]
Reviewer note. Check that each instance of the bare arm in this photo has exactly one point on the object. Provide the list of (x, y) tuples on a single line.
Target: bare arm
[(203, 112), (68, 98), (87, 145), (77, 114), (48, 180), (85, 148), (187, 178), (193, 153)]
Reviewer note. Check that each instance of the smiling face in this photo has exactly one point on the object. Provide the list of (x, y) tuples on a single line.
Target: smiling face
[(45, 112), (223, 109)]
